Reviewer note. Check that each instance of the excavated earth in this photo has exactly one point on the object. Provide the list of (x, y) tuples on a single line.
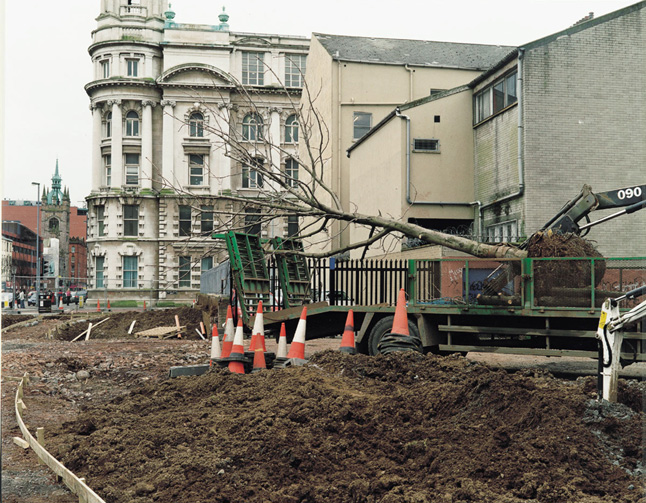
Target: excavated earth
[(403, 427)]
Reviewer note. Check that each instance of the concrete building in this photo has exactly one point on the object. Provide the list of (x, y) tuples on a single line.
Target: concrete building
[(159, 172), (357, 81), (508, 150)]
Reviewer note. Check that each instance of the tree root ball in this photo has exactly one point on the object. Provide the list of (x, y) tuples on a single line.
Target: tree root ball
[(563, 273)]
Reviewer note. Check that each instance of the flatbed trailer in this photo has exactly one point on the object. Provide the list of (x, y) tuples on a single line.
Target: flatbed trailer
[(540, 306)]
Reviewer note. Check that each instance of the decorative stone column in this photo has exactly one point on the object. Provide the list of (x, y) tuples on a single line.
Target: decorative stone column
[(168, 147), (147, 144), (220, 163), (117, 143), (97, 175), (274, 138)]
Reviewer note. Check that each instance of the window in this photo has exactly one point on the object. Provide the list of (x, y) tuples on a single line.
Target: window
[(107, 169), (291, 129), (362, 124), (502, 233), (253, 69), (496, 97), (100, 219), (207, 263), (426, 145), (105, 68), (294, 70), (252, 221), (98, 271), (196, 169), (185, 272), (207, 219), (291, 172), (132, 169), (73, 249), (53, 224), (130, 268), (184, 220), (132, 67), (251, 177), (130, 220), (107, 125), (252, 127), (292, 225), (132, 123), (196, 125)]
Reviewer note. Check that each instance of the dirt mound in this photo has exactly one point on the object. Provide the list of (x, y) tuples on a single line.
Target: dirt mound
[(11, 319), (119, 322), (397, 428)]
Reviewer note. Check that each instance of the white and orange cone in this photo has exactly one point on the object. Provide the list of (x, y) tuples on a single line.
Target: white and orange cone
[(227, 341), (216, 352), (259, 360), (237, 358), (281, 352), (297, 347), (347, 342), (60, 305)]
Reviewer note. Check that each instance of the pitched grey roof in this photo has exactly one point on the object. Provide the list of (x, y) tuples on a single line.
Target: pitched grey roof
[(412, 52)]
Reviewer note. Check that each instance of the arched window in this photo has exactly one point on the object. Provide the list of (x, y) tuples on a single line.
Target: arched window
[(196, 125), (252, 127), (132, 123), (291, 129), (107, 125), (53, 225)]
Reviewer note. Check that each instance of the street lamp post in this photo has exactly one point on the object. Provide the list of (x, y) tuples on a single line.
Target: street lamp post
[(37, 245)]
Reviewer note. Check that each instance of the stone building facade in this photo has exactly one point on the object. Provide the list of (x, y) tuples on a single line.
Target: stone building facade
[(160, 174)]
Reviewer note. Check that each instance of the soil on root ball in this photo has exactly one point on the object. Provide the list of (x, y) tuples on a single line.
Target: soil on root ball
[(398, 428), (119, 323), (567, 275)]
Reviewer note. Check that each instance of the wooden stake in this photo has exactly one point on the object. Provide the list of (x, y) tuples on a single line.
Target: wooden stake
[(40, 436), (200, 334), (89, 329), (21, 442), (84, 332), (179, 333), (132, 325)]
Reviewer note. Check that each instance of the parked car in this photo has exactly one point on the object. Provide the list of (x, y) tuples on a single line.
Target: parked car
[(77, 294), (32, 299)]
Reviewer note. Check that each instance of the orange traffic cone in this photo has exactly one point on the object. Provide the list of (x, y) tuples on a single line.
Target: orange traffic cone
[(216, 353), (227, 342), (98, 306), (297, 347), (400, 323), (347, 342), (60, 305), (108, 304), (144, 305), (281, 352), (258, 329), (237, 358), (259, 360)]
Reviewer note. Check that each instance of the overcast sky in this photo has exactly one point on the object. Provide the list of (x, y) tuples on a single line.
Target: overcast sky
[(46, 63)]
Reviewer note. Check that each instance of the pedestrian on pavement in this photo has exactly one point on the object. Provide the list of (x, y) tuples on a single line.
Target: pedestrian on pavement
[(21, 298)]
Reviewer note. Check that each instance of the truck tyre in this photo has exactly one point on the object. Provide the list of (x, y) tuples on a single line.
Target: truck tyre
[(383, 327)]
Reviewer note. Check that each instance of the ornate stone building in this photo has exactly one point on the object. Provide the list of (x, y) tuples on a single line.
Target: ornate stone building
[(160, 88)]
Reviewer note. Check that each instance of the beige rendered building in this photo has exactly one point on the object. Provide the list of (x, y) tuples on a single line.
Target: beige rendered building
[(160, 89), (356, 81), (496, 159)]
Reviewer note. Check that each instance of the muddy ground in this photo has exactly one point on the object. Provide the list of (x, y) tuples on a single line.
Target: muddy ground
[(397, 428)]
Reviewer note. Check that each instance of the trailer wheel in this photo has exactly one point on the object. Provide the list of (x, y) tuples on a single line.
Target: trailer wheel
[(383, 327)]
